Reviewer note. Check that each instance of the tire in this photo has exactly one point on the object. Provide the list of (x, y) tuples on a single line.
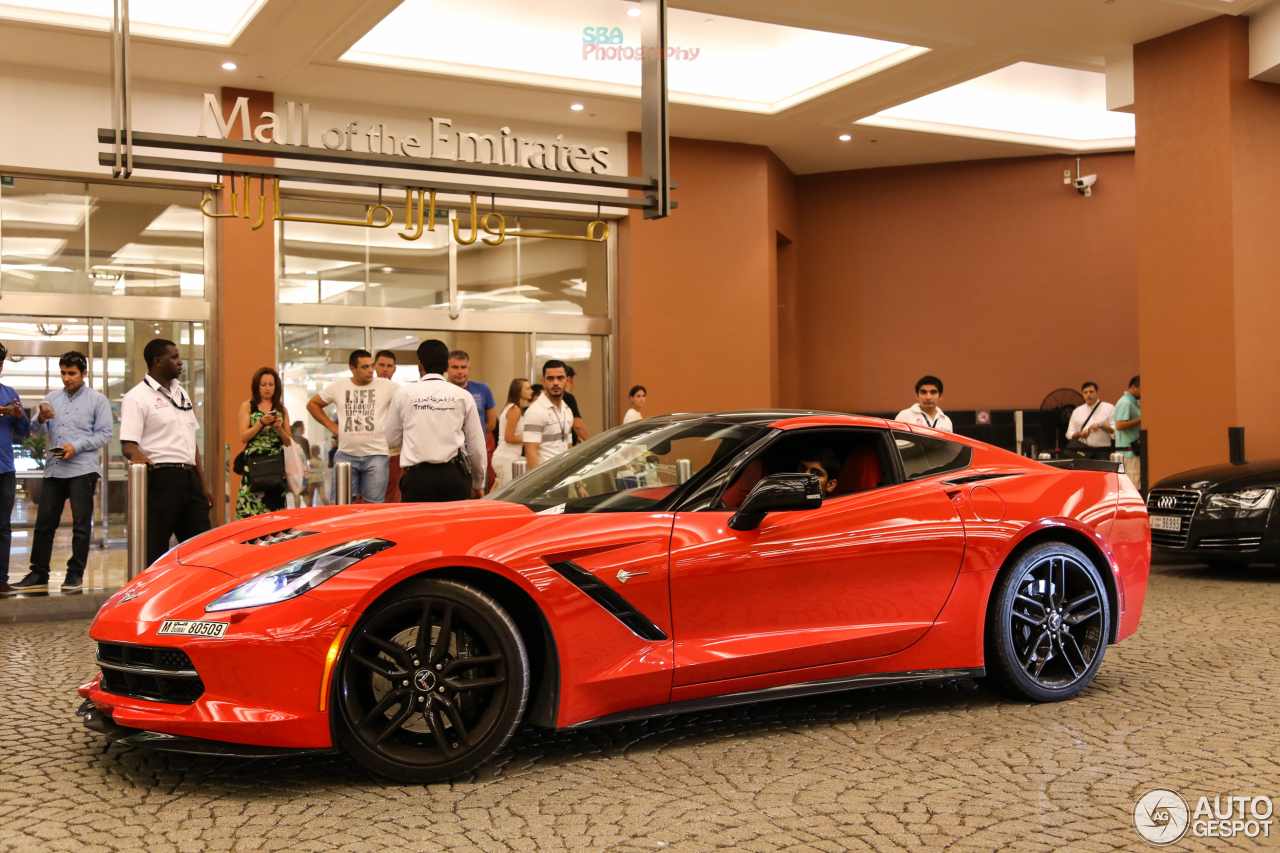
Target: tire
[(431, 711), (1047, 626)]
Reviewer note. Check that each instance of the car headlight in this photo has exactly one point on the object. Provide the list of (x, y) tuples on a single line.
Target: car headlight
[(1248, 499), (298, 576)]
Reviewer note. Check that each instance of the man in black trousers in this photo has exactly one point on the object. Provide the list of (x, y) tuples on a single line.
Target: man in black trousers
[(439, 431), (158, 429)]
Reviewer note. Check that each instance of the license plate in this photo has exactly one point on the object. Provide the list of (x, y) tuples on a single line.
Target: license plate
[(192, 628), (1172, 523)]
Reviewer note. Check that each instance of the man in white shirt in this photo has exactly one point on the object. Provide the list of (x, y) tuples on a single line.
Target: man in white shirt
[(1093, 423), (158, 429), (438, 427), (548, 422), (926, 412), (362, 402)]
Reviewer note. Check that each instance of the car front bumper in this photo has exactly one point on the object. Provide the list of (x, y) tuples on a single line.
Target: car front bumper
[(261, 681)]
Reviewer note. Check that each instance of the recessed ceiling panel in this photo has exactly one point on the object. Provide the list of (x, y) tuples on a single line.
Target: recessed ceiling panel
[(1026, 103), (203, 21), (594, 46)]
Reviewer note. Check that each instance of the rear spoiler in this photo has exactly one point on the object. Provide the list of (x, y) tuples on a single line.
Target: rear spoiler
[(1086, 465)]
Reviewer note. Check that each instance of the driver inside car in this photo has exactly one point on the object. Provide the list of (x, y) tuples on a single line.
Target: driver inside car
[(822, 462)]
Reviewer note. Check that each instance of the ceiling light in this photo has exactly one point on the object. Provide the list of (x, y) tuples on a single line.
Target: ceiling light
[(228, 66), (804, 63), (634, 12), (844, 137), (575, 107)]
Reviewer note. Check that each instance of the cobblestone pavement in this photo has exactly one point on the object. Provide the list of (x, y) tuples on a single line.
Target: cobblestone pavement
[(1190, 702)]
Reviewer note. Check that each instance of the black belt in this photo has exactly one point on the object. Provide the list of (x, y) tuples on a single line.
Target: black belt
[(173, 465), (429, 465)]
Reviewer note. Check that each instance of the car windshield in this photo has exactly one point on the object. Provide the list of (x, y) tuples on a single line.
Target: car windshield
[(632, 468)]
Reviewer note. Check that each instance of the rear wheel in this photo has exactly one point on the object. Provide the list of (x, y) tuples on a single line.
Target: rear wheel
[(1048, 625), (432, 683)]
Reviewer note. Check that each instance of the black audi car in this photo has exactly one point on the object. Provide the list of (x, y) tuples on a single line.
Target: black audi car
[(1221, 514)]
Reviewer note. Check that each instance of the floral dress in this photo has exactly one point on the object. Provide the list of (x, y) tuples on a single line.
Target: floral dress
[(265, 443)]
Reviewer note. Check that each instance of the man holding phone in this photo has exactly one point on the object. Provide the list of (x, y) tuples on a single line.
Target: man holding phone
[(14, 427), (77, 420)]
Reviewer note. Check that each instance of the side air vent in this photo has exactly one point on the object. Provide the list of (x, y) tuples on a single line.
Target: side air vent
[(280, 536), (608, 598)]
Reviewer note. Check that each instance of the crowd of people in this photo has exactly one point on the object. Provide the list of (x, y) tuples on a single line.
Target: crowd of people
[(441, 438)]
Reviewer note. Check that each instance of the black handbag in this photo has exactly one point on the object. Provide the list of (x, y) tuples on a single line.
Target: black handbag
[(265, 473)]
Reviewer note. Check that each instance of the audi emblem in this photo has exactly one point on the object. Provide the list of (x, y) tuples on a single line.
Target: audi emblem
[(1167, 502)]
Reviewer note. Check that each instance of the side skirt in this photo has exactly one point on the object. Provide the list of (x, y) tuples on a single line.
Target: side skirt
[(787, 691)]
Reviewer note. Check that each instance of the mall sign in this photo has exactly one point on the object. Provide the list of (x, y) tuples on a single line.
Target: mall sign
[(506, 149)]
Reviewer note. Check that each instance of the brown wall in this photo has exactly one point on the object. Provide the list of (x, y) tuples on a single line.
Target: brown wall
[(698, 312), (1208, 177), (992, 275), (247, 300)]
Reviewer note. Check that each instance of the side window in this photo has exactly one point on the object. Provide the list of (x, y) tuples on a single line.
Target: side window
[(849, 461), (923, 456)]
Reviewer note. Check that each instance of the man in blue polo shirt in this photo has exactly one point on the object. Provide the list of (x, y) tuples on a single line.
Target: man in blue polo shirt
[(14, 426), (77, 420), (1128, 415), (486, 407)]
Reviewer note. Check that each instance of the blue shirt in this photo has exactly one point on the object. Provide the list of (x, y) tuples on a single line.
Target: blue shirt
[(82, 421), (1127, 409), (11, 429), (484, 398)]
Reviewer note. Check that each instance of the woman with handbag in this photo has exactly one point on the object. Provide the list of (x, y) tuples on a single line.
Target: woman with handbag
[(264, 428)]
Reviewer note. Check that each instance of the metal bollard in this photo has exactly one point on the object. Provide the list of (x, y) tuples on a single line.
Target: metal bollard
[(342, 482), (518, 468), (1118, 458), (137, 520), (684, 470)]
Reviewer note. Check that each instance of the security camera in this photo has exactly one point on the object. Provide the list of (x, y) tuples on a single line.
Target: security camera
[(1084, 184)]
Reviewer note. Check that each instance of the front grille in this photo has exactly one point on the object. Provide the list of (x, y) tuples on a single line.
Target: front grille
[(1176, 502), (151, 673), (1231, 543)]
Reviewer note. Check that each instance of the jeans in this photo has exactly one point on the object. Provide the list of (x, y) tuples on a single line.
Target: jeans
[(368, 477), (8, 486), (54, 494)]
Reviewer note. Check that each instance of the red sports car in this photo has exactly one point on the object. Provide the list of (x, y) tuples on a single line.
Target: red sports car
[(672, 564)]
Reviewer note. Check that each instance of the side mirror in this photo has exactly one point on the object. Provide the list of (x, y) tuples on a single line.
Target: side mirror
[(777, 493)]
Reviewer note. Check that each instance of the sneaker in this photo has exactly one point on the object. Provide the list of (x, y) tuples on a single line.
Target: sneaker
[(32, 583), (73, 583), (5, 589)]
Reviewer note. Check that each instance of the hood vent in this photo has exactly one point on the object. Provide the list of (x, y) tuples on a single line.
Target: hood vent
[(280, 536)]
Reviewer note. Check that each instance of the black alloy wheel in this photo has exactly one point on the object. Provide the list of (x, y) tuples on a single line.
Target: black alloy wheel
[(1048, 625), (431, 683)]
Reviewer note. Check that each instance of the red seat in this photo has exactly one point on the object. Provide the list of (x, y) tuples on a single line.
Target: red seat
[(861, 471), (741, 487)]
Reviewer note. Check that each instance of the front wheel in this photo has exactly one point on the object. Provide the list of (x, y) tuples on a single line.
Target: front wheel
[(432, 683), (1048, 625)]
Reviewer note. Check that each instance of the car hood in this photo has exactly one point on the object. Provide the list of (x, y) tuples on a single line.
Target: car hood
[(1218, 478), (229, 549)]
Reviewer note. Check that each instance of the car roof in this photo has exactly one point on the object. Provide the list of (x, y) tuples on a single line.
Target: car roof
[(782, 418)]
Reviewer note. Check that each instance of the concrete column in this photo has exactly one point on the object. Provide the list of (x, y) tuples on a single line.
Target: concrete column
[(698, 313), (1208, 176), (246, 300)]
